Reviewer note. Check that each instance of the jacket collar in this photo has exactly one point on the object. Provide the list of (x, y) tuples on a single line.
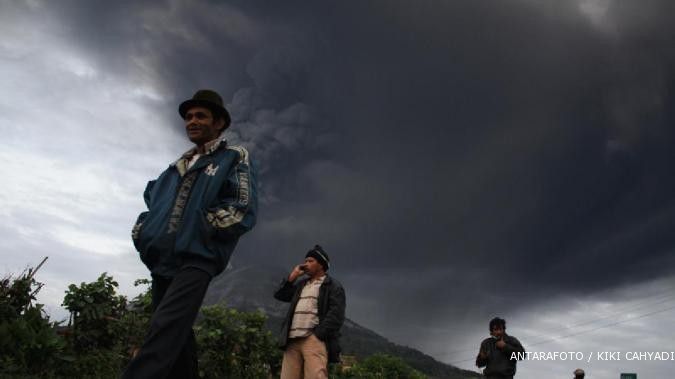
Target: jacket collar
[(210, 147)]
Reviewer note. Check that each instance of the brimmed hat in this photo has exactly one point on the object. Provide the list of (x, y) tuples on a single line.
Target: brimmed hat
[(208, 99), (320, 255)]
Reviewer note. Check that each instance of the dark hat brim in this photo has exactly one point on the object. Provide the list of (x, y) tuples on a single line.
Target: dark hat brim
[(215, 108)]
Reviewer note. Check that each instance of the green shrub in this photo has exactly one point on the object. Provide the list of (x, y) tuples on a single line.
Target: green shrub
[(235, 344), (29, 346), (95, 312), (104, 328)]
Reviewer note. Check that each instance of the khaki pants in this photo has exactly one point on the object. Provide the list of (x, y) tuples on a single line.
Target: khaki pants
[(305, 358)]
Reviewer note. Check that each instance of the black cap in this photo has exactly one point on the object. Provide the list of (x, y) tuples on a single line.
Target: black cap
[(320, 255)]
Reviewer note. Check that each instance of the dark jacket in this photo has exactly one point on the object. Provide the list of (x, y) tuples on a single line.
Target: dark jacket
[(331, 303), (499, 362), (195, 216)]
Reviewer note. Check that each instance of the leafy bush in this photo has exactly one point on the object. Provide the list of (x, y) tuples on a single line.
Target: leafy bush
[(29, 346), (235, 344), (95, 311), (104, 328), (96, 334)]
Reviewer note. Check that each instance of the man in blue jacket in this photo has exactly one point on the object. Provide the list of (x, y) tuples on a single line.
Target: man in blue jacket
[(197, 210)]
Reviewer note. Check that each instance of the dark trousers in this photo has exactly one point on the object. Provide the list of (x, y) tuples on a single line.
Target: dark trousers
[(170, 349)]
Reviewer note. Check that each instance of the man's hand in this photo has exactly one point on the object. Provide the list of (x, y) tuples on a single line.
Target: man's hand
[(297, 271), (500, 344)]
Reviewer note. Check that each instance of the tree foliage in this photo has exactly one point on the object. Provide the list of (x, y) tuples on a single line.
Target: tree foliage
[(95, 312), (104, 328)]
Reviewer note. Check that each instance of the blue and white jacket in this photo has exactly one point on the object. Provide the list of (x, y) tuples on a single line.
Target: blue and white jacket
[(196, 215)]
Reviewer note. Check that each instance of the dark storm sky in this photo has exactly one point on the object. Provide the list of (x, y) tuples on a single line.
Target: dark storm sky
[(517, 143)]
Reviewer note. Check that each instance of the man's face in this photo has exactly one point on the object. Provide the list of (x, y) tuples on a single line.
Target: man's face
[(497, 332), (201, 126), (312, 266)]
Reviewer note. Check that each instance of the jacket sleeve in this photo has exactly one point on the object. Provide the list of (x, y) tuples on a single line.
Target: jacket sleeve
[(136, 230), (236, 211), (513, 346), (481, 362), (285, 291), (335, 316)]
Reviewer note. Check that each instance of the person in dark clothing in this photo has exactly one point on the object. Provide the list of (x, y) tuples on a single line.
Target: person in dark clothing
[(310, 332), (498, 354), (197, 210)]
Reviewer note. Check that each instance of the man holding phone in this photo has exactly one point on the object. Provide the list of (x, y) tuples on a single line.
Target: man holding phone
[(310, 332), (495, 352)]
